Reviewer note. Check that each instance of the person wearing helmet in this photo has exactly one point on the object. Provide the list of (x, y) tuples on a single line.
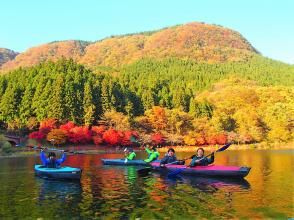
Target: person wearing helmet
[(200, 160), (152, 154), (129, 154), (51, 161)]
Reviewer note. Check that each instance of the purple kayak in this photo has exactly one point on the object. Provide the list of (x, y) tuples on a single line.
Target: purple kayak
[(210, 170)]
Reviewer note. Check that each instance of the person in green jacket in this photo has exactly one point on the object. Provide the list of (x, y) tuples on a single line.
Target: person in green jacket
[(152, 154), (129, 154)]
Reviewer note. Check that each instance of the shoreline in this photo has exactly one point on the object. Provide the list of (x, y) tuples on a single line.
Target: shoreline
[(261, 146), (289, 146)]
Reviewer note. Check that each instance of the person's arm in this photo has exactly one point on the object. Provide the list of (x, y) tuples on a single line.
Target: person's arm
[(193, 163), (164, 160), (211, 159), (148, 150), (131, 156), (152, 157), (43, 158), (62, 159)]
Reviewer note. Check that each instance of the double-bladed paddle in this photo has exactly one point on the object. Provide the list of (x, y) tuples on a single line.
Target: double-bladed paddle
[(54, 149)]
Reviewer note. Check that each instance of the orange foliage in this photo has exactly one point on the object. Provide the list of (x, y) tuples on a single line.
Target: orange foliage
[(57, 136), (47, 125)]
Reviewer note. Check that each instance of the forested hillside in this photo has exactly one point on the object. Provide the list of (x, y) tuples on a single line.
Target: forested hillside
[(196, 102)]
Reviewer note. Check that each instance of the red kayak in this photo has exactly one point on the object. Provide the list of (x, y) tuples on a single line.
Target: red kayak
[(210, 170)]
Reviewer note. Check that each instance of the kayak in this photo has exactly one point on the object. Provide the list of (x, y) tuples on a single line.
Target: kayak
[(210, 170), (122, 162), (58, 173)]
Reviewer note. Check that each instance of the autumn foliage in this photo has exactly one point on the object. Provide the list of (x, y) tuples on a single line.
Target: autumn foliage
[(111, 137), (38, 135), (57, 136), (157, 139)]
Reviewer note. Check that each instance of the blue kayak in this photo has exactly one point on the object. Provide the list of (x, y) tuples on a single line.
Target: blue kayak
[(123, 162), (58, 173)]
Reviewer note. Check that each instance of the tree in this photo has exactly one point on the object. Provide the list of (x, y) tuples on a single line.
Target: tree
[(117, 120), (157, 118), (157, 139), (56, 106), (58, 136), (89, 107), (25, 108), (47, 125), (111, 137), (80, 134)]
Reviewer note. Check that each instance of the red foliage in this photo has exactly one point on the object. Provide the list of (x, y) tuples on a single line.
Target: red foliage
[(211, 140), (129, 138), (67, 127), (80, 134), (38, 135), (98, 129), (112, 137), (221, 139), (97, 139), (47, 125), (157, 138)]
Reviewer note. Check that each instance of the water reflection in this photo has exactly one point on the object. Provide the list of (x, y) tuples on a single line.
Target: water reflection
[(113, 192), (208, 184), (63, 191)]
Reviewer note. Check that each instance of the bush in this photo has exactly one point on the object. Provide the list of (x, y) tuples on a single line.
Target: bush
[(6, 147)]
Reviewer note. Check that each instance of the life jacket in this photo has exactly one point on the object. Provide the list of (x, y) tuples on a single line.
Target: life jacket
[(52, 163)]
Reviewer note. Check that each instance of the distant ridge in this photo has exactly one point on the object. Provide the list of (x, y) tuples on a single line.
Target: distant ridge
[(192, 41)]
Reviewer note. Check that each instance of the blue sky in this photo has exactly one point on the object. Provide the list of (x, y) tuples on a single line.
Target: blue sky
[(268, 25)]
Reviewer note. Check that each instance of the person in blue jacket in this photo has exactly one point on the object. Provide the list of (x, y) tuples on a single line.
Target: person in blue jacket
[(200, 160), (52, 161), (169, 157)]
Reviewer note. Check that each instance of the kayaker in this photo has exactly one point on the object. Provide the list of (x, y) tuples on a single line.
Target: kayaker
[(169, 157), (152, 154), (52, 161), (200, 160), (129, 154)]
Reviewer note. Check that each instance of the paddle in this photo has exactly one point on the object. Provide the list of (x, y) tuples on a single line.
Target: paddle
[(178, 171), (54, 149)]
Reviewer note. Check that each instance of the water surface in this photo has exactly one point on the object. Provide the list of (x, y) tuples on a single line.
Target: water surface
[(109, 192)]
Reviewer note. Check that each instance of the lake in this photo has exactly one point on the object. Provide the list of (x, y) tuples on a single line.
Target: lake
[(109, 192)]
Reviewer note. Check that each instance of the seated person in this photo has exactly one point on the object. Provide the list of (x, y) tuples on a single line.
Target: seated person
[(129, 154), (169, 157), (52, 161), (152, 154), (200, 160)]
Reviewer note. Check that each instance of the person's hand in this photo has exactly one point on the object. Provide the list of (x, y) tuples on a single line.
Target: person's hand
[(197, 161)]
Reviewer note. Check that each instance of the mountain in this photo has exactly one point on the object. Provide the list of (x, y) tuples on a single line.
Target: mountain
[(6, 55), (51, 51), (192, 41)]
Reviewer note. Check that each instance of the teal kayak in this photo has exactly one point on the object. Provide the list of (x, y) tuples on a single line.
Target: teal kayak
[(58, 173)]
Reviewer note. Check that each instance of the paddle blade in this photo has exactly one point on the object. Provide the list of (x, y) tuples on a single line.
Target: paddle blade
[(224, 147)]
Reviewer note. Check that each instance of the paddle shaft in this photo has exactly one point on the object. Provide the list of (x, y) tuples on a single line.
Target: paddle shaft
[(54, 149)]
